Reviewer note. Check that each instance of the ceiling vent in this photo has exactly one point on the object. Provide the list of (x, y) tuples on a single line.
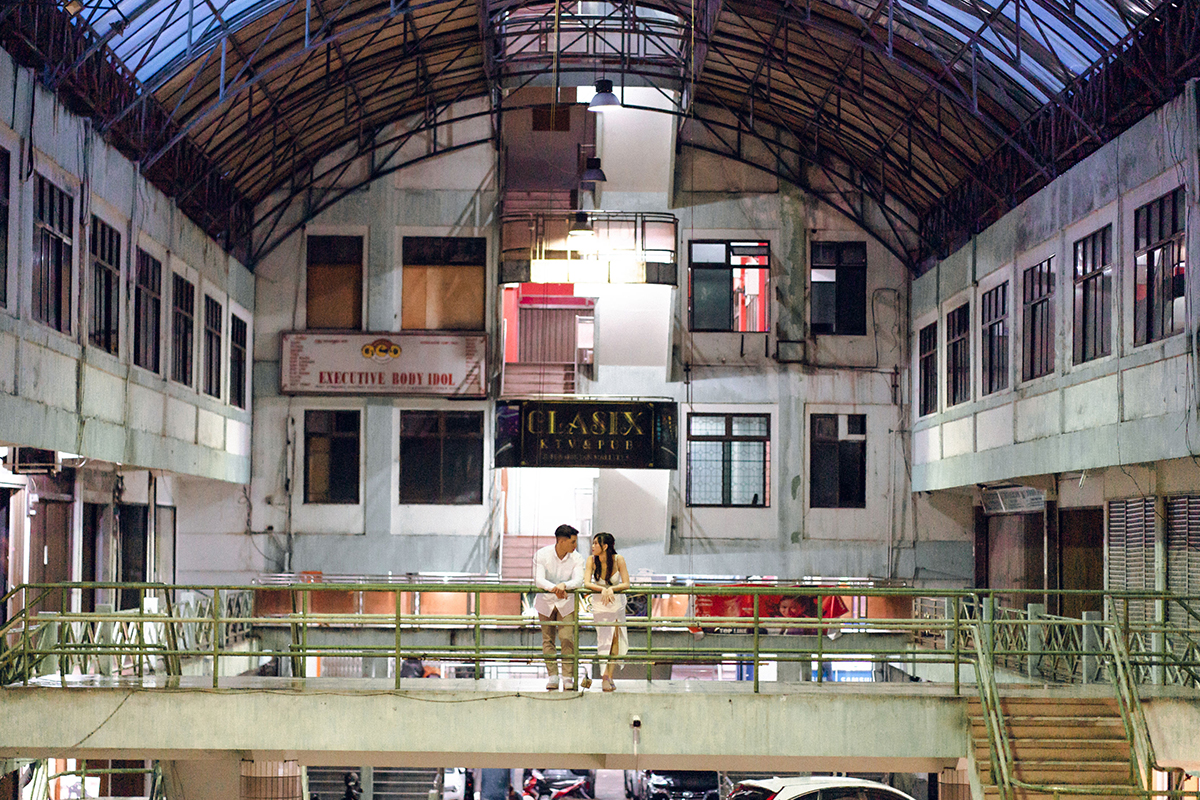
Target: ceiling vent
[(1013, 500)]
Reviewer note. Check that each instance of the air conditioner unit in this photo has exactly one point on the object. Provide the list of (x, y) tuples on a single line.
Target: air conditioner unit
[(33, 461), (1013, 500)]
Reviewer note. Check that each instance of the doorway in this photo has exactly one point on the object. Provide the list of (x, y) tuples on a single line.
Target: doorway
[(131, 526), (1081, 558), (50, 550)]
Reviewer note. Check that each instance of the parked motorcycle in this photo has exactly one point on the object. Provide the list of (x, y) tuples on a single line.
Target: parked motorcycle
[(557, 784)]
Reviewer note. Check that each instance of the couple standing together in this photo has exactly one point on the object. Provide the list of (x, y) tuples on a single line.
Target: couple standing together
[(558, 570)]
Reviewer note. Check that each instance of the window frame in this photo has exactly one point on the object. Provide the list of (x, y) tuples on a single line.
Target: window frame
[(1091, 333), (62, 243), (306, 454), (855, 324), (413, 260), (183, 343), (1039, 296), (240, 390), (995, 337), (441, 438), (360, 232), (7, 240), (958, 354), (842, 436), (212, 350), (1175, 241), (727, 267), (927, 368), (147, 343), (109, 340), (727, 439)]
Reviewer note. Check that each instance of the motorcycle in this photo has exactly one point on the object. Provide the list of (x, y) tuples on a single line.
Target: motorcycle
[(556, 784)]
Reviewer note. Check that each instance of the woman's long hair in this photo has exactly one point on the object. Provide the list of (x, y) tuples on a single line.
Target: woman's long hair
[(607, 542)]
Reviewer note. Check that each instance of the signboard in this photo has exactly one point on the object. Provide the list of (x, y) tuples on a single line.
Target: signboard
[(430, 363), (587, 433)]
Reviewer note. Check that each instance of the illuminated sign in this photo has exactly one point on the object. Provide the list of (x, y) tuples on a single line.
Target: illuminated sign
[(587, 433), (431, 363)]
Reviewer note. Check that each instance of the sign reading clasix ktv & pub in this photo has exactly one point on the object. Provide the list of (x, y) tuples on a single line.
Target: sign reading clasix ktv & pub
[(429, 363), (587, 433)]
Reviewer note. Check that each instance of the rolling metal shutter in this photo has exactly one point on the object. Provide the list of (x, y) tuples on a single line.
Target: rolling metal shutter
[(1131, 552), (1183, 557)]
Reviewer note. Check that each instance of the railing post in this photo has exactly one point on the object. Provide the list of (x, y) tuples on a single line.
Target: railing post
[(216, 635), (649, 641), (1035, 636), (988, 629), (754, 662), (575, 653), (141, 629), (955, 635), (399, 658), (104, 636), (1091, 644), (820, 641), (479, 636)]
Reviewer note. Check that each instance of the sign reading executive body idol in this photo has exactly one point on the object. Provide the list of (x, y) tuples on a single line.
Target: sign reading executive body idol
[(587, 433), (383, 363)]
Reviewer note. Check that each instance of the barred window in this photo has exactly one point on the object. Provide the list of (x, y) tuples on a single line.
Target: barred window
[(728, 288), (958, 355), (927, 366), (1037, 354), (183, 328), (237, 361), (1093, 296), (993, 308), (1160, 260), (838, 461), (839, 288), (441, 457), (728, 459), (5, 163), (331, 445), (53, 233), (147, 312), (106, 286), (213, 313)]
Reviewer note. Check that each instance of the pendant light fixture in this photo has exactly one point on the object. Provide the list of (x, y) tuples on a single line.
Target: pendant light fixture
[(592, 171), (604, 100)]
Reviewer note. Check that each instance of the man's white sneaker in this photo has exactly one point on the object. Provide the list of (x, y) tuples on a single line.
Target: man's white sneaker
[(552, 683), (568, 685)]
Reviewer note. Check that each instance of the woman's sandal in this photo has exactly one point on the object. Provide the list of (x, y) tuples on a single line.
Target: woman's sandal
[(607, 684)]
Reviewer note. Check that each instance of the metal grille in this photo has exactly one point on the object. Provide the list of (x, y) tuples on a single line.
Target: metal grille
[(183, 325), (994, 345), (147, 312), (1038, 356), (237, 361), (928, 367), (728, 456), (53, 229), (1131, 553), (106, 286), (1093, 295), (958, 355), (212, 346), (547, 335), (1183, 557)]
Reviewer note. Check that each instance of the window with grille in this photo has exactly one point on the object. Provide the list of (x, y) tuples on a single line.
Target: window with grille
[(5, 162), (1093, 296), (839, 288), (53, 232), (1131, 554), (838, 461), (147, 312), (1183, 557), (993, 350), (237, 360), (183, 328), (1159, 268), (443, 283), (728, 459), (927, 367), (104, 323), (331, 447), (958, 355), (1037, 353), (334, 281), (728, 286), (213, 318), (441, 457)]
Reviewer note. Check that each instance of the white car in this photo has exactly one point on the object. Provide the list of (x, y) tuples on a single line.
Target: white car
[(454, 784), (817, 787)]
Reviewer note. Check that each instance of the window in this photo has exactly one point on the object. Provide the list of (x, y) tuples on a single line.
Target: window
[(212, 346), (1093, 295), (331, 457), (927, 366), (335, 282), (444, 283), (52, 244), (441, 457), (728, 289), (554, 117), (958, 355), (839, 288), (183, 327), (1037, 356), (838, 461), (106, 286), (1160, 256), (4, 208), (993, 308), (728, 459), (147, 311), (237, 361)]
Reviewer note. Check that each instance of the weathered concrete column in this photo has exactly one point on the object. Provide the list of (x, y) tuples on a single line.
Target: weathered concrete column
[(1035, 638), (271, 780), (218, 779), (1092, 642)]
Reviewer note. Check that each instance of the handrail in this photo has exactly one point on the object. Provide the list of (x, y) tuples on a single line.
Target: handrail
[(1143, 760)]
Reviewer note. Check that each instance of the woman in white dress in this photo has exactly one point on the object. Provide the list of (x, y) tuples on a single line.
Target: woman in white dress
[(608, 577)]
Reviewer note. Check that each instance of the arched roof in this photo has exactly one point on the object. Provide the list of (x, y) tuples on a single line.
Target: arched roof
[(920, 119)]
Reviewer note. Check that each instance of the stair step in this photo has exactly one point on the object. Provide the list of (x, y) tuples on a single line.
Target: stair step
[(1052, 707), (992, 792), (1111, 752), (1060, 729)]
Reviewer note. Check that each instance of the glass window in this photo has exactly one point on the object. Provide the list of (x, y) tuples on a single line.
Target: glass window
[(839, 288), (993, 309), (331, 457), (958, 355), (1037, 353), (53, 232), (237, 361), (106, 287), (838, 461), (4, 209), (728, 288), (213, 318), (334, 281), (728, 459), (441, 457), (183, 329), (444, 283), (1093, 296), (1159, 268), (147, 312), (927, 366)]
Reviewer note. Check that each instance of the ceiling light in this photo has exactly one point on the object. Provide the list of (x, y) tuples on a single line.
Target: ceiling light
[(73, 7), (604, 100), (580, 226), (592, 171)]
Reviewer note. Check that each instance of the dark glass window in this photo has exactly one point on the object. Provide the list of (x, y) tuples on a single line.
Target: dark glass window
[(838, 461), (441, 457), (993, 309), (213, 314), (927, 366), (334, 282), (728, 289), (183, 328), (4, 209), (839, 288), (237, 361), (1093, 295), (147, 312), (331, 457), (53, 231), (1160, 258), (1037, 347), (728, 459), (106, 287), (958, 355)]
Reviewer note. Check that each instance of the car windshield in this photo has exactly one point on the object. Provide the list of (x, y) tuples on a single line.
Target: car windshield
[(685, 780)]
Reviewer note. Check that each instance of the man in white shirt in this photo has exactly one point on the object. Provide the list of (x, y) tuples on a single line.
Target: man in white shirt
[(558, 571)]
